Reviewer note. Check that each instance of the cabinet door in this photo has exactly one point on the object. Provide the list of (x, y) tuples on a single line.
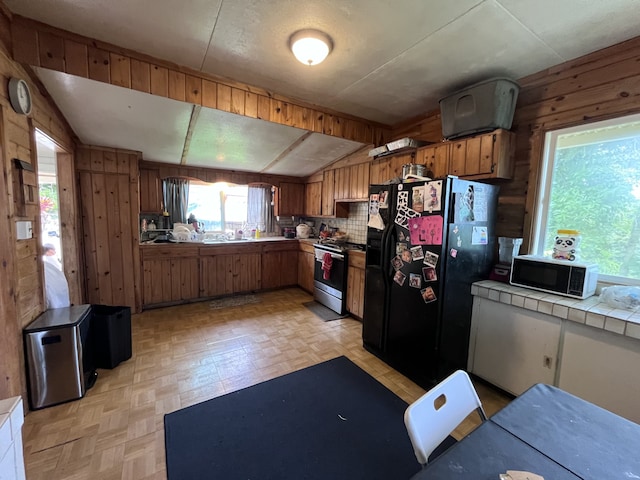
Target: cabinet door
[(288, 268), (355, 291), (342, 183), (247, 272), (313, 199), (379, 171), (271, 267), (170, 280), (305, 270), (290, 199), (359, 181), (458, 157), (511, 347), (328, 192), (150, 190), (435, 158), (217, 275)]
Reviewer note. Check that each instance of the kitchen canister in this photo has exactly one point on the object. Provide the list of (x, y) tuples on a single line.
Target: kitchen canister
[(566, 245)]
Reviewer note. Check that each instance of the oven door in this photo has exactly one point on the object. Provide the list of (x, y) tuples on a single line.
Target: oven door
[(336, 275)]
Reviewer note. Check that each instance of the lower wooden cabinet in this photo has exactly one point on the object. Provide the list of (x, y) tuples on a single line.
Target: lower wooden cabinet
[(306, 266), (170, 280), (230, 273), (355, 284), (280, 265), (174, 274)]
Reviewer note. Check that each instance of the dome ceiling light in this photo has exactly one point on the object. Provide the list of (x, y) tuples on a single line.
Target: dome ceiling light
[(310, 46)]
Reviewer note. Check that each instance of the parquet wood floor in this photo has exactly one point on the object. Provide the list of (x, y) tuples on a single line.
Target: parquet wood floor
[(184, 355)]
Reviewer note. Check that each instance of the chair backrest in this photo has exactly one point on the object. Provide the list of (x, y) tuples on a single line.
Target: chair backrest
[(431, 418)]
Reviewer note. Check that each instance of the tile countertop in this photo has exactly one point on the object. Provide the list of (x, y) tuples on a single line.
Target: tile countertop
[(588, 311)]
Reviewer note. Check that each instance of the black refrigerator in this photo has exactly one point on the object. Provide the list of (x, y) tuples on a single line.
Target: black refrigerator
[(427, 242)]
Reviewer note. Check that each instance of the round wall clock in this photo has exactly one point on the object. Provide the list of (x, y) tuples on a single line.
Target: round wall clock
[(20, 96)]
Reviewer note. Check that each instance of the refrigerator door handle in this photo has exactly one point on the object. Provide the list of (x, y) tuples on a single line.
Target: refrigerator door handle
[(388, 247)]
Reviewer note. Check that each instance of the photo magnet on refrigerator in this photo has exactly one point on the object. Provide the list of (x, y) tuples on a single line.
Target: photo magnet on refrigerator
[(433, 196), (399, 278), (429, 274), (430, 259), (396, 263), (415, 280), (428, 295), (417, 253)]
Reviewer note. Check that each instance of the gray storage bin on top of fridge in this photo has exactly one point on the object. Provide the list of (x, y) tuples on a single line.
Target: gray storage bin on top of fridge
[(482, 107)]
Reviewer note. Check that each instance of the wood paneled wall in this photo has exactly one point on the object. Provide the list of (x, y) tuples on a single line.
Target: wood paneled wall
[(21, 278), (41, 45), (108, 188), (598, 86)]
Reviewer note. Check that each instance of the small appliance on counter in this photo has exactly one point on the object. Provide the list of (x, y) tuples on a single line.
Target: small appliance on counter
[(508, 248), (303, 231), (288, 232)]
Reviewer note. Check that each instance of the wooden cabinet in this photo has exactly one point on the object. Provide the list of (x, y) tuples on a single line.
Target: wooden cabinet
[(150, 190), (355, 284), (227, 273), (480, 157), (435, 158), (352, 183), (289, 199), (306, 266), (386, 168), (280, 264), (313, 199), (170, 275), (328, 193)]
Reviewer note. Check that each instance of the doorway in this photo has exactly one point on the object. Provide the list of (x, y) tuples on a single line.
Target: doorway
[(50, 235)]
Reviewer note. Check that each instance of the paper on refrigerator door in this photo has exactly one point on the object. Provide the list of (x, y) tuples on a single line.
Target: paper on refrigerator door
[(375, 221)]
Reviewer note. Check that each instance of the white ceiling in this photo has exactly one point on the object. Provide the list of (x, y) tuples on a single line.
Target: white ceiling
[(391, 60)]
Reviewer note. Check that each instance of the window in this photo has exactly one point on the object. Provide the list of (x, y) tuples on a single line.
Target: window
[(219, 206), (591, 183)]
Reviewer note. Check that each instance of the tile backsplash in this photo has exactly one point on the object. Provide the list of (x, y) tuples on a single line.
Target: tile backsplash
[(355, 225)]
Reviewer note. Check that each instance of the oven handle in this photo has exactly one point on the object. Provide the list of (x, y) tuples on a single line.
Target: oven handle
[(337, 256)]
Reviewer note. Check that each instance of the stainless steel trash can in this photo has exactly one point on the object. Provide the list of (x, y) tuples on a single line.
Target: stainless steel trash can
[(59, 363)]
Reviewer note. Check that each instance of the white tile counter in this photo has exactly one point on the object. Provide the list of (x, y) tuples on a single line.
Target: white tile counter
[(588, 312), (11, 454)]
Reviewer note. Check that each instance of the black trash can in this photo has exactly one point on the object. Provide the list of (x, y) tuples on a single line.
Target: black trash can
[(111, 332)]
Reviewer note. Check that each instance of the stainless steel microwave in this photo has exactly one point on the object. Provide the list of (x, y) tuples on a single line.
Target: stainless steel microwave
[(562, 277)]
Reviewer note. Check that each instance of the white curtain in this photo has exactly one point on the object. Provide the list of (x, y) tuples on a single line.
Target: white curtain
[(259, 208)]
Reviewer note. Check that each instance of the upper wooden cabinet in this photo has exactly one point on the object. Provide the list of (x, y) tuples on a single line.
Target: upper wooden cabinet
[(328, 193), (150, 190), (435, 158), (384, 169), (289, 199), (485, 156), (352, 183), (313, 199), (480, 157)]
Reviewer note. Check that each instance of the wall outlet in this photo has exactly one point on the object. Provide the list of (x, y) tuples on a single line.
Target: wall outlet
[(24, 230)]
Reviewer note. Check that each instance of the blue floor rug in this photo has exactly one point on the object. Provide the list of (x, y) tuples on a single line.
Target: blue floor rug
[(330, 421)]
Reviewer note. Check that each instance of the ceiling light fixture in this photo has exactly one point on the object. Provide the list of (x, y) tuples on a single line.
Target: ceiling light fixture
[(310, 46)]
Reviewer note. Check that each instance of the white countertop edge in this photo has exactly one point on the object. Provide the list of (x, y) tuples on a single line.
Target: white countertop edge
[(589, 311)]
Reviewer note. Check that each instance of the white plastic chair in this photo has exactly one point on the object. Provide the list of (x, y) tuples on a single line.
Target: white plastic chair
[(431, 418)]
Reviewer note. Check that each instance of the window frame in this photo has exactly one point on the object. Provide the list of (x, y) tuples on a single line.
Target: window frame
[(541, 212)]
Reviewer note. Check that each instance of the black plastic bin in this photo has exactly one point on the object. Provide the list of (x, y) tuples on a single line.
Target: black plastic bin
[(111, 332)]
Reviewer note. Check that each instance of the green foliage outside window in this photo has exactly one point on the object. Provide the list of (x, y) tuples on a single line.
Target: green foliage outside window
[(596, 190)]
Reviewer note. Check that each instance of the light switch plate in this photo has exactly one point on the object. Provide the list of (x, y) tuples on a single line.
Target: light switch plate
[(24, 230)]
